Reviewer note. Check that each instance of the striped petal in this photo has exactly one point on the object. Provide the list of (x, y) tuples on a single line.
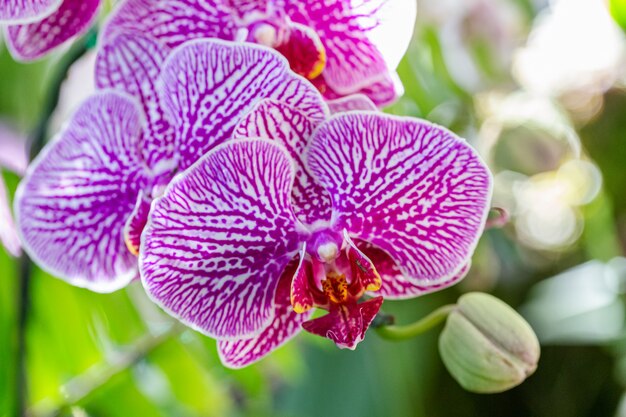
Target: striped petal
[(132, 63), (26, 11), (172, 22), (73, 203), (241, 8), (136, 222), (219, 239), (291, 128), (286, 324), (395, 286), (413, 189), (351, 103), (34, 40), (209, 85), (382, 91), (363, 40)]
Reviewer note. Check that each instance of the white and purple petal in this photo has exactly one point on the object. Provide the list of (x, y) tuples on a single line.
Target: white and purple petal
[(291, 128), (395, 286), (132, 63), (220, 237), (209, 85), (286, 324), (136, 222), (382, 91), (26, 11), (72, 205), (413, 189), (32, 41), (363, 40), (172, 22), (352, 102)]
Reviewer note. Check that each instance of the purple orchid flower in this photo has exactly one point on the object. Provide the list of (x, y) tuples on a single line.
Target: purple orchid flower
[(36, 27), (84, 200), (301, 213), (343, 47)]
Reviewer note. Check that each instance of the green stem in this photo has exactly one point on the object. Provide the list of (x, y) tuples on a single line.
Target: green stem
[(409, 331), (79, 389), (37, 142)]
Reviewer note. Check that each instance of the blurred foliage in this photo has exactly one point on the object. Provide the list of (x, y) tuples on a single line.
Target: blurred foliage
[(118, 355), (618, 10)]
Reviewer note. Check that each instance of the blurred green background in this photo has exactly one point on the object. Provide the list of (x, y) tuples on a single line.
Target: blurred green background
[(538, 88)]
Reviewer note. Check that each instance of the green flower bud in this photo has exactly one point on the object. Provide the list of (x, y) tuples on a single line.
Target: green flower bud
[(487, 346)]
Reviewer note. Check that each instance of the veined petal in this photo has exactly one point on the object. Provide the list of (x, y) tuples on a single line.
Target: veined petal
[(383, 91), (345, 324), (172, 22), (291, 128), (76, 196), (136, 222), (395, 286), (357, 37), (351, 103), (219, 239), (132, 63), (34, 40), (209, 85), (26, 11), (286, 324), (411, 188)]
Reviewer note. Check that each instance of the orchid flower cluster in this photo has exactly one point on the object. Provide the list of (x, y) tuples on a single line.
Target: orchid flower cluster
[(234, 159)]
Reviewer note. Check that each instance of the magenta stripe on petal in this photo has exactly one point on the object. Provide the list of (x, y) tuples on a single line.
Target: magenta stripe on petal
[(286, 324), (241, 8), (34, 40), (132, 63), (357, 37), (351, 103), (382, 91), (136, 222), (172, 22), (26, 11), (411, 188), (394, 285), (219, 239), (209, 85), (291, 128), (76, 196)]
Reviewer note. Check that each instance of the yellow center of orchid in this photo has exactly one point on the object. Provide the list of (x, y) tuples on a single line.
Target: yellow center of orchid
[(320, 62), (335, 287)]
